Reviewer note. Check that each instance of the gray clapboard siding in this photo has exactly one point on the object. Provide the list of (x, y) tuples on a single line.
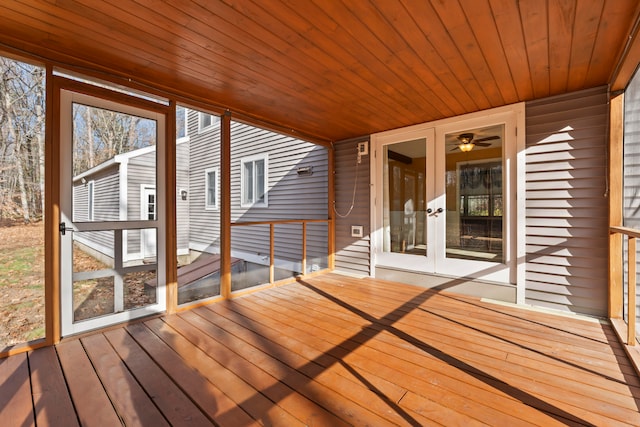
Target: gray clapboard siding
[(352, 253), (290, 196), (182, 206), (105, 207), (566, 202), (204, 153), (141, 171)]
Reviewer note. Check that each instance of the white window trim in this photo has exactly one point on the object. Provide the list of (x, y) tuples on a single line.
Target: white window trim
[(91, 200), (207, 206), (248, 159), (214, 123)]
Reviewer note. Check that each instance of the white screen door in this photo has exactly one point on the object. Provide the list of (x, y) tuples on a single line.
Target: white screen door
[(110, 251)]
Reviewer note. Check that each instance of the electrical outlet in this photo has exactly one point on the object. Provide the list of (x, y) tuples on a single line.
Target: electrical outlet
[(363, 148)]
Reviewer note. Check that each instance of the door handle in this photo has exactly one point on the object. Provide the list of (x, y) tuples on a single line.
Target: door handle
[(439, 210), (429, 210), (63, 228)]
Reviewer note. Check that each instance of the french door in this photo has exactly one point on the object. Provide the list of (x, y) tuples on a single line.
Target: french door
[(444, 199), (110, 246)]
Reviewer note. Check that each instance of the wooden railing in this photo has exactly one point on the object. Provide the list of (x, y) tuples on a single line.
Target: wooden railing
[(616, 292), (272, 225)]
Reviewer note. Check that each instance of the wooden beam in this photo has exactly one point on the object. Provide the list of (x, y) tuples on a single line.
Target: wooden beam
[(171, 257), (629, 57), (225, 205), (616, 133), (52, 210), (331, 228), (631, 281)]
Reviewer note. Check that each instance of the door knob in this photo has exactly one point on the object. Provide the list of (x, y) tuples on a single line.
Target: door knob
[(429, 210), (440, 210)]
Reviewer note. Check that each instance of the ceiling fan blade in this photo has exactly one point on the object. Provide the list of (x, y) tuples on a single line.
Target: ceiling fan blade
[(483, 144), (488, 138)]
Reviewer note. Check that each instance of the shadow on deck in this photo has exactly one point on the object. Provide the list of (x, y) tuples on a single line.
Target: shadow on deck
[(331, 350)]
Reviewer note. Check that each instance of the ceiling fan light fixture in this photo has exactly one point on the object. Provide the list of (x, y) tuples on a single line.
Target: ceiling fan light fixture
[(465, 147)]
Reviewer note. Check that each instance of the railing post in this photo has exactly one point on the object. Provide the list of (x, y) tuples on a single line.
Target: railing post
[(631, 305), (304, 247), (271, 253)]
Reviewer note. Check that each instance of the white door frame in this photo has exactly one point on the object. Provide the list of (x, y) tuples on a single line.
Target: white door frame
[(67, 276), (512, 271)]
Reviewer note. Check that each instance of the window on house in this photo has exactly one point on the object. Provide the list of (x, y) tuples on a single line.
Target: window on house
[(254, 176), (206, 121), (181, 122), (90, 200), (211, 188)]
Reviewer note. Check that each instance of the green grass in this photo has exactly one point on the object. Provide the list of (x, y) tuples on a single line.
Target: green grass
[(20, 266), (20, 305), (35, 334)]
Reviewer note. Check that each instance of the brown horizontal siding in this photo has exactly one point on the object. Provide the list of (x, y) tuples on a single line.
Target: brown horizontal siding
[(566, 202), (352, 253)]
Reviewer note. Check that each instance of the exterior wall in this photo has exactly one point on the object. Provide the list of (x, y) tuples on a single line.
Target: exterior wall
[(140, 171), (290, 196), (204, 153), (105, 207), (182, 206), (352, 253), (567, 203)]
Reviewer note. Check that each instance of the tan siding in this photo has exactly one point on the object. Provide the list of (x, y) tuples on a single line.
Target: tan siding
[(352, 253), (566, 202), (290, 196), (182, 206), (204, 153), (105, 208)]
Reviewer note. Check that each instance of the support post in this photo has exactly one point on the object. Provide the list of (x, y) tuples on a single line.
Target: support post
[(225, 205), (631, 323), (615, 304)]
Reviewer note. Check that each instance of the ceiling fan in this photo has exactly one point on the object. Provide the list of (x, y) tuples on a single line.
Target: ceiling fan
[(467, 143)]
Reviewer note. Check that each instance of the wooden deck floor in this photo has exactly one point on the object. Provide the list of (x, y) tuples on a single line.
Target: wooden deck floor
[(330, 351)]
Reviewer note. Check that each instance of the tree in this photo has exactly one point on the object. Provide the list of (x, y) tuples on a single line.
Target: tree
[(101, 134), (22, 108)]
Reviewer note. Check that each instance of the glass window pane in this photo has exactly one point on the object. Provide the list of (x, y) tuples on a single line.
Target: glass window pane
[(474, 194), (404, 215), (260, 181), (248, 182)]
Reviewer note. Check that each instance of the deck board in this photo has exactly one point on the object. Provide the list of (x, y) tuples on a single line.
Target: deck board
[(91, 401), (331, 351), (15, 399), (52, 403)]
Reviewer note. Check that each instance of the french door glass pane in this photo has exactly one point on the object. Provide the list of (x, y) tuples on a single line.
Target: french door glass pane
[(474, 194), (404, 214)]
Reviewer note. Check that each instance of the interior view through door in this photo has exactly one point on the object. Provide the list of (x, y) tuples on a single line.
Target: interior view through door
[(109, 219), (443, 202)]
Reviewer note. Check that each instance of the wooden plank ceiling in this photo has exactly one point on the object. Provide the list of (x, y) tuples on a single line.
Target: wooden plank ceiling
[(336, 69)]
